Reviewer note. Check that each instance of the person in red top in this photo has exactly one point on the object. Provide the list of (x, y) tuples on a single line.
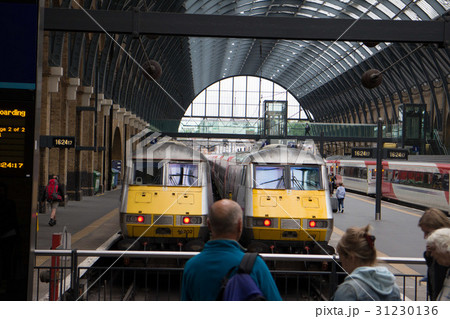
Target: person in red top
[(53, 187)]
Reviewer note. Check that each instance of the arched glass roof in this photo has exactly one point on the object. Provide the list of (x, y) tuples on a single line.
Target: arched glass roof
[(310, 70)]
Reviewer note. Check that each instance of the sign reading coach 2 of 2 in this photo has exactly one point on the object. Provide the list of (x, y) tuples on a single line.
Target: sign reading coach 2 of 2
[(20, 94)]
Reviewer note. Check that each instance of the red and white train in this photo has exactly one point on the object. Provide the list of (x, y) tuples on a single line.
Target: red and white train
[(416, 182)]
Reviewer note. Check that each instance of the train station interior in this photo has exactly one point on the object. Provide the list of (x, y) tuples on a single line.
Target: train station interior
[(225, 73)]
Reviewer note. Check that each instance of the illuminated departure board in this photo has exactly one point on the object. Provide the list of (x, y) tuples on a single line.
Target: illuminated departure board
[(20, 86), (15, 115)]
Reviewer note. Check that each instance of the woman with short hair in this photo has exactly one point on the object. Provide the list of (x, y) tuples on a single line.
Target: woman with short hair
[(431, 220), (438, 243)]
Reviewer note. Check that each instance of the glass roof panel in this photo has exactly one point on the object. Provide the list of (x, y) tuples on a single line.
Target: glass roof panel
[(319, 61), (428, 9)]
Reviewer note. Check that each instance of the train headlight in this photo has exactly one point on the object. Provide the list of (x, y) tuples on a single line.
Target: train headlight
[(262, 222), (189, 220), (140, 219), (312, 223)]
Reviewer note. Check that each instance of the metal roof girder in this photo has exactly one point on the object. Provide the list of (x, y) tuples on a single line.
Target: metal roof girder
[(353, 101), (419, 56), (90, 60), (413, 74), (75, 46), (363, 91), (337, 94), (240, 26), (442, 76)]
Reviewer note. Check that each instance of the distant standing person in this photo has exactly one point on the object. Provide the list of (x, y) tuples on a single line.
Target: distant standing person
[(307, 129), (366, 281), (53, 194), (431, 220), (203, 273), (438, 243), (340, 195), (332, 183)]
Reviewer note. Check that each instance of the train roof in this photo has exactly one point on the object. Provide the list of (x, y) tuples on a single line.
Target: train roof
[(169, 150), (278, 153)]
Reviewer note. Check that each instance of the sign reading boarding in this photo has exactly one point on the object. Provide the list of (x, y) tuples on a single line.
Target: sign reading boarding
[(363, 152)]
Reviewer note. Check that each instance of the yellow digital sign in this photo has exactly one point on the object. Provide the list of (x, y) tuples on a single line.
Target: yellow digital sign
[(397, 154), (13, 118), (362, 152), (64, 141)]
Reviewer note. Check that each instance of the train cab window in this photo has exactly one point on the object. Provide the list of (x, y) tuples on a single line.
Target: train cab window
[(181, 174), (269, 177), (305, 178), (147, 173)]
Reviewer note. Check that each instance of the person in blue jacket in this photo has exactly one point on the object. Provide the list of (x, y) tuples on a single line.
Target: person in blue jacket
[(366, 281), (203, 273)]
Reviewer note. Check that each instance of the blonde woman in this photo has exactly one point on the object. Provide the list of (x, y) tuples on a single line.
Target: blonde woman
[(366, 281)]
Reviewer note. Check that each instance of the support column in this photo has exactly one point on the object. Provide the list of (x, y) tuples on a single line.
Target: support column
[(102, 145), (71, 96), (79, 173)]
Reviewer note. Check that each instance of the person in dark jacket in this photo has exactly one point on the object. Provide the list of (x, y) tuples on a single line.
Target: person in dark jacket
[(431, 220), (203, 273), (366, 281), (53, 202), (307, 129), (438, 244)]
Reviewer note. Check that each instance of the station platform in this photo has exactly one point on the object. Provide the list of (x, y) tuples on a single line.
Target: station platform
[(95, 220), (397, 233), (91, 222)]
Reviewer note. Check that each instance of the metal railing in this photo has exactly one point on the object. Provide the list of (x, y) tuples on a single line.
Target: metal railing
[(111, 280)]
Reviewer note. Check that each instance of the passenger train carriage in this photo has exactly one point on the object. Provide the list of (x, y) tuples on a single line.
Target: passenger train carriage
[(165, 198), (284, 194), (355, 174), (421, 183)]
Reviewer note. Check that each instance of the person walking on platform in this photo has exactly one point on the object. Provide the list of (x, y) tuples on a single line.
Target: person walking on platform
[(340, 195), (438, 243), (366, 281), (203, 273), (431, 220), (53, 194)]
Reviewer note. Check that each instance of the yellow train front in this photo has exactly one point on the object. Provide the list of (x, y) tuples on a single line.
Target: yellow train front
[(165, 199), (285, 197)]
